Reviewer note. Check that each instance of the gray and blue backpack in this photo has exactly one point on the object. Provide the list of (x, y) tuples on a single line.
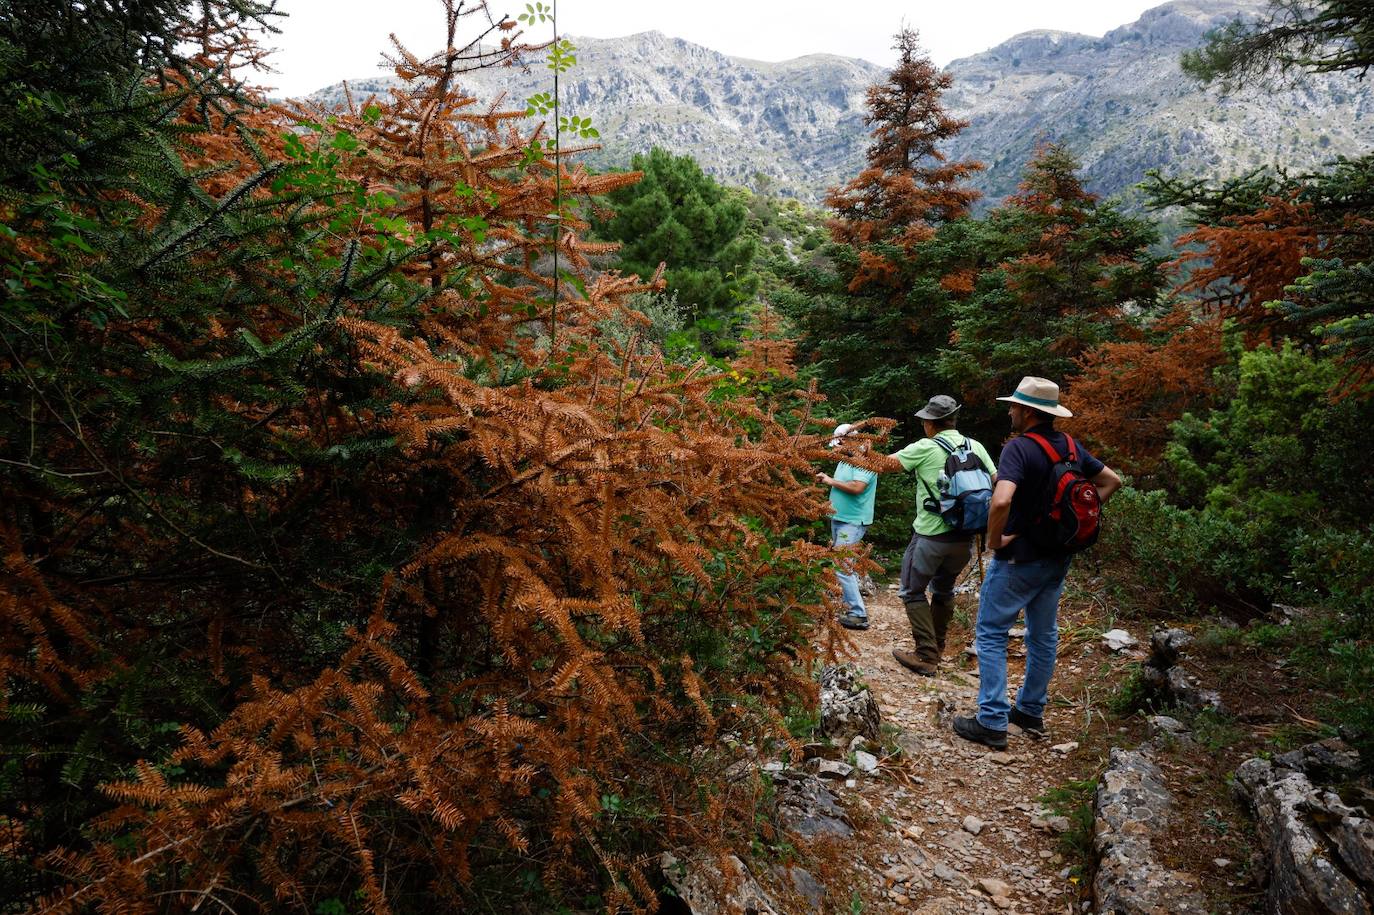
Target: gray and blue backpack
[(965, 489)]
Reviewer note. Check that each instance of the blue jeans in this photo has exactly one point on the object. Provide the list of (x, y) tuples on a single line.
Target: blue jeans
[(843, 533), (1007, 590)]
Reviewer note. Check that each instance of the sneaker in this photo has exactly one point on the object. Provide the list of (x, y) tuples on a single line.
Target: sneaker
[(970, 729), (913, 663), (1031, 726), (852, 620)]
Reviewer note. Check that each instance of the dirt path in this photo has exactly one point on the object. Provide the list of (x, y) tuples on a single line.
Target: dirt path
[(957, 828)]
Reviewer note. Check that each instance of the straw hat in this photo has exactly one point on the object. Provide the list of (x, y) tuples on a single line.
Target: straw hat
[(1039, 394)]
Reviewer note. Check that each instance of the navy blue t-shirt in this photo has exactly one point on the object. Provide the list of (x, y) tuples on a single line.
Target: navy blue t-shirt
[(1026, 464)]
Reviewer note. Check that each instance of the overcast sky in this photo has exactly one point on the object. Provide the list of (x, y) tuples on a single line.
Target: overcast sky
[(324, 41)]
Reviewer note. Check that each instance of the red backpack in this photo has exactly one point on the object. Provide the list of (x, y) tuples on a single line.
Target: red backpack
[(1072, 515)]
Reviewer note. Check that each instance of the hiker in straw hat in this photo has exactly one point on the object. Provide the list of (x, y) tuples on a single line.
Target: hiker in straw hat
[(1031, 557)]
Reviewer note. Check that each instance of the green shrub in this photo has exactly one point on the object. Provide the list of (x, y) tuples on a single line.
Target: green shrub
[(893, 511), (1264, 501)]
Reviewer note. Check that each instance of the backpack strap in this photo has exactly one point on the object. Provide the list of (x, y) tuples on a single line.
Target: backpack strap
[(929, 491), (965, 445), (1049, 449), (1044, 443), (948, 450), (1073, 449)]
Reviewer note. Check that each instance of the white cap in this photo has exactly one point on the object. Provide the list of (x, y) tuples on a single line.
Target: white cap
[(840, 432)]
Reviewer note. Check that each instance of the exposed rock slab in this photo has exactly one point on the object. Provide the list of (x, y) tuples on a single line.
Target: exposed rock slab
[(1320, 853), (808, 889), (847, 707), (1324, 762), (808, 808), (1132, 806), (700, 882)]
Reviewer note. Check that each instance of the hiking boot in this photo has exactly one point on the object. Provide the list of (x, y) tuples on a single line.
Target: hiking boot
[(913, 663), (970, 729), (1031, 726), (852, 620)]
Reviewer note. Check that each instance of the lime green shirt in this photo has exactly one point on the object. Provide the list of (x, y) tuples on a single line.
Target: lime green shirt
[(854, 509), (926, 459)]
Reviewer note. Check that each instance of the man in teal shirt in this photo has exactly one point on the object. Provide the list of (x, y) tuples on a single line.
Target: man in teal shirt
[(852, 491), (937, 553)]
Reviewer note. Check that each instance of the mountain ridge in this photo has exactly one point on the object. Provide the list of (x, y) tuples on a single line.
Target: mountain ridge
[(1119, 101)]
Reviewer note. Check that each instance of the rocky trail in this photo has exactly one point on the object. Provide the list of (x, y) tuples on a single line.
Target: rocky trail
[(1118, 810), (959, 828)]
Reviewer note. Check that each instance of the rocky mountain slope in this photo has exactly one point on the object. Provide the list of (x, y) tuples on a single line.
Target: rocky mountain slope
[(1119, 101), (800, 122), (1124, 106)]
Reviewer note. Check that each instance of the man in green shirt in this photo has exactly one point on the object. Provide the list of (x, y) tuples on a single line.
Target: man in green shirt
[(937, 553), (852, 491)]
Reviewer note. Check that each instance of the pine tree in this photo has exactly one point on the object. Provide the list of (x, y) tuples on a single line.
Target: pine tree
[(348, 561), (1044, 278), (908, 187), (1127, 394), (1295, 250), (679, 216), (1297, 36), (874, 316)]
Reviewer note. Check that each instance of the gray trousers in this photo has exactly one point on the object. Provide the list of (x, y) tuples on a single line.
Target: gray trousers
[(936, 565), (932, 564)]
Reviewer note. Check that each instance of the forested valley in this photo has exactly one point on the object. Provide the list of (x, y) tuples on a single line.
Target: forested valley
[(400, 516)]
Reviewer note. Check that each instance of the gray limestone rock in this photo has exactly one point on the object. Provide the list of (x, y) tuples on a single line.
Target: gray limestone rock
[(699, 882), (1319, 852), (808, 808), (1166, 647), (995, 888), (830, 768), (1323, 762), (1133, 805), (1119, 640), (945, 710), (1164, 726), (847, 707), (805, 885), (1170, 684)]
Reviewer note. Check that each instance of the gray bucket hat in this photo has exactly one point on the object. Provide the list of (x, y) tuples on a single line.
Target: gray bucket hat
[(938, 407)]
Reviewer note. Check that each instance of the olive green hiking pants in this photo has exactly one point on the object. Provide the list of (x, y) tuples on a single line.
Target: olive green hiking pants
[(934, 565)]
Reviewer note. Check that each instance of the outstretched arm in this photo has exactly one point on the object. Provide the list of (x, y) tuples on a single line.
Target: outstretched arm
[(853, 487), (1107, 483)]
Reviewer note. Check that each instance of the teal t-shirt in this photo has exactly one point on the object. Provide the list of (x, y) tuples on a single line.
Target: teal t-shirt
[(854, 509), (926, 459)]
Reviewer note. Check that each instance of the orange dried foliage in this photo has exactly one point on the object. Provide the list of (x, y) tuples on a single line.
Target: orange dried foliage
[(909, 186), (960, 282), (1248, 261), (584, 505), (1128, 393)]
